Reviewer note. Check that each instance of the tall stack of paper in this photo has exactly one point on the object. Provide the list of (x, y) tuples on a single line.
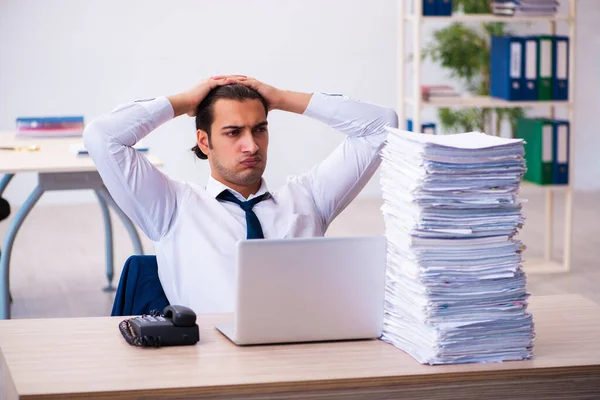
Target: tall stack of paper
[(455, 288)]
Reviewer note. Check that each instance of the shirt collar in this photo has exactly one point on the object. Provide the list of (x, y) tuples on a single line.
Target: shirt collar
[(214, 188)]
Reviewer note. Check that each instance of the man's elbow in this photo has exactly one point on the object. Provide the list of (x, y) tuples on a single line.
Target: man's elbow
[(90, 136), (391, 118), (95, 135), (382, 118)]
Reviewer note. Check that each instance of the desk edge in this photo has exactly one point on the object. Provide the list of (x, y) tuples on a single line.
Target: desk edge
[(8, 389), (329, 384)]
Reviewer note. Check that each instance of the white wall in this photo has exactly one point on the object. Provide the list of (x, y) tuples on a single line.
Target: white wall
[(86, 57)]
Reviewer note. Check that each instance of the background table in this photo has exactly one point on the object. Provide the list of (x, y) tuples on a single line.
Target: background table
[(57, 169), (88, 358)]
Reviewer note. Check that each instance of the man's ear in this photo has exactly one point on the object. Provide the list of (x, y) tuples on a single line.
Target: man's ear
[(202, 141)]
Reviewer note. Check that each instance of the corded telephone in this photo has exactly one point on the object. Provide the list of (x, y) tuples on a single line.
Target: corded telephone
[(175, 327)]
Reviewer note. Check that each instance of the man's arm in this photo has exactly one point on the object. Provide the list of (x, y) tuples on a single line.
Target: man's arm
[(338, 179), (277, 99), (293, 102), (140, 189), (145, 194)]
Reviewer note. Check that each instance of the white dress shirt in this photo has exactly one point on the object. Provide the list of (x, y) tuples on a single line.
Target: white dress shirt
[(195, 234)]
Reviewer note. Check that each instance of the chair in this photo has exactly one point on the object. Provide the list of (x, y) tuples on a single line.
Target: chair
[(4, 209), (139, 289), (4, 213)]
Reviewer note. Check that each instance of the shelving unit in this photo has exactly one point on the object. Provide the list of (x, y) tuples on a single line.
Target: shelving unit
[(547, 264), (485, 18), (482, 101)]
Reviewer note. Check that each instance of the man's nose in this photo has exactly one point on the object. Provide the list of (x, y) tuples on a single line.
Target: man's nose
[(248, 143)]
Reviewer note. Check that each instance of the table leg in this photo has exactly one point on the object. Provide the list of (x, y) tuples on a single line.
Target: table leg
[(133, 234), (3, 184), (8, 243), (5, 181), (108, 238)]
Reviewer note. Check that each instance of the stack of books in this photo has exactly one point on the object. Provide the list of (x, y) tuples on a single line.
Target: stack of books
[(524, 7), (43, 127), (433, 91), (455, 287)]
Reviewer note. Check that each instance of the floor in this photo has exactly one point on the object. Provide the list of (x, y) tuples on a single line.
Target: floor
[(57, 266)]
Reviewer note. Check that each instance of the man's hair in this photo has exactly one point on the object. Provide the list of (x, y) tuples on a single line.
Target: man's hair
[(205, 110)]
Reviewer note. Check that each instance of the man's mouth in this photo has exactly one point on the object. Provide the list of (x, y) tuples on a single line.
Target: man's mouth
[(251, 161)]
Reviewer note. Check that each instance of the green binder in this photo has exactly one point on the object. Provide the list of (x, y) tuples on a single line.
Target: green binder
[(544, 68), (538, 135)]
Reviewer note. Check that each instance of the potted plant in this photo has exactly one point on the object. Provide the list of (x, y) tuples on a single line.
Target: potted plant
[(465, 52)]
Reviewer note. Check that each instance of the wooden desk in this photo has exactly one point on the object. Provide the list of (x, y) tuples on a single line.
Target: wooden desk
[(88, 358), (58, 169)]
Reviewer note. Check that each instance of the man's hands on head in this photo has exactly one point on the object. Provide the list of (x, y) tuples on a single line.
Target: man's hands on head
[(278, 99), (273, 96), (187, 102)]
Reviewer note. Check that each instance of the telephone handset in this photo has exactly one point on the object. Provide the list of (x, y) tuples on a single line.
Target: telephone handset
[(180, 315), (175, 327)]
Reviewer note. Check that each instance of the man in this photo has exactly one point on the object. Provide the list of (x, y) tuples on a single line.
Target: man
[(195, 229)]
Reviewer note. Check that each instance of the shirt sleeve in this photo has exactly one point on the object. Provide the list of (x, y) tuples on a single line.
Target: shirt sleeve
[(145, 194), (338, 179)]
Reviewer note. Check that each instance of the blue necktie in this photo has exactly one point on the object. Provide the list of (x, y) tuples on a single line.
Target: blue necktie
[(253, 228)]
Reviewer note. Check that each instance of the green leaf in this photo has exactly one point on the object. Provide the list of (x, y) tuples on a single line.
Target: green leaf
[(515, 114), (459, 49), (509, 114), (465, 120), (472, 6), (495, 28)]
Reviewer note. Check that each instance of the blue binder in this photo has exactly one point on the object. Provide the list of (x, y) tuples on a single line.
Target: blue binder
[(444, 7), (426, 127), (560, 68), (429, 7), (530, 55), (506, 64), (561, 147)]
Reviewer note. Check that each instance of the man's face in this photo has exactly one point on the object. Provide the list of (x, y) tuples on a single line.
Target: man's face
[(239, 139)]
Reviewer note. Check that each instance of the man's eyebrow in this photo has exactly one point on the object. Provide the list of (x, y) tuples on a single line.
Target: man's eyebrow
[(259, 125), (231, 127)]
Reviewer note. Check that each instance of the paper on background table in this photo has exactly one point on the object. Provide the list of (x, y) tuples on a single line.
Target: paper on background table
[(79, 148)]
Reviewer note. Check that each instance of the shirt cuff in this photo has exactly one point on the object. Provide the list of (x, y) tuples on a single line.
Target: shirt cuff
[(323, 106), (160, 110)]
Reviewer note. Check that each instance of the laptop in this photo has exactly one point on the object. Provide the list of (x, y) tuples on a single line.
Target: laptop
[(308, 289)]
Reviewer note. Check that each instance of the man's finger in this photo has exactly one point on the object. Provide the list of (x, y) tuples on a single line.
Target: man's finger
[(226, 76), (248, 81), (225, 81)]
